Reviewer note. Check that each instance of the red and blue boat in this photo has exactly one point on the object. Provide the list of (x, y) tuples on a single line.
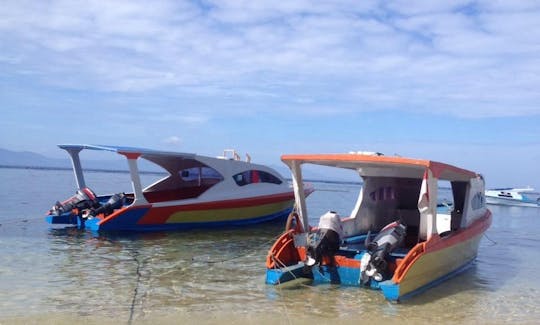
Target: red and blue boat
[(397, 239), (196, 192)]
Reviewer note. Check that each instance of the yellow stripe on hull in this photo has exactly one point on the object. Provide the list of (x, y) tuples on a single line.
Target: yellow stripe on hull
[(228, 214), (434, 265)]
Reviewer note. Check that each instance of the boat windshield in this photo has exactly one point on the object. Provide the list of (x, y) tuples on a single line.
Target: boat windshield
[(189, 178)]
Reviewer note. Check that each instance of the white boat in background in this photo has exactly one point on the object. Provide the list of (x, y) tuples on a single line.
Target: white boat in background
[(513, 196)]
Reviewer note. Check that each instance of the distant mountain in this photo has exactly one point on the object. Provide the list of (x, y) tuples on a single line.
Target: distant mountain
[(282, 169), (31, 159), (10, 158)]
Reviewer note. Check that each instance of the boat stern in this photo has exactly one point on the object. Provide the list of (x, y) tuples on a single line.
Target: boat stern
[(62, 219), (280, 275)]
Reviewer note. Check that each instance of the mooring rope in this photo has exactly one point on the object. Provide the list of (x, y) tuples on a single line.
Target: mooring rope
[(491, 240), (140, 264), (284, 305)]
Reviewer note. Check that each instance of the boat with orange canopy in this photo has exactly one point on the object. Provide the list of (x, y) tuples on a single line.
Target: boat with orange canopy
[(396, 239)]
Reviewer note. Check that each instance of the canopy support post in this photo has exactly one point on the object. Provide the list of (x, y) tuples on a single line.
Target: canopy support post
[(135, 178), (299, 193), (77, 168)]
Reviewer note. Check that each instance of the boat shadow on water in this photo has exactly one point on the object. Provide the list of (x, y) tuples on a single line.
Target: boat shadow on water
[(455, 299), (470, 279), (220, 243)]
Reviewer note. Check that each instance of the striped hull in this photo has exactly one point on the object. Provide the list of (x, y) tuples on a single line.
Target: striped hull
[(432, 268), (432, 262), (237, 212)]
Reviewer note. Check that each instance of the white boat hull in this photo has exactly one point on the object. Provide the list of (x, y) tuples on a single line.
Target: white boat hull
[(510, 202), (525, 197)]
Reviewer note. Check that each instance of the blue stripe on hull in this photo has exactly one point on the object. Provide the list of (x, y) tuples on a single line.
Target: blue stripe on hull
[(278, 276), (63, 219), (337, 275)]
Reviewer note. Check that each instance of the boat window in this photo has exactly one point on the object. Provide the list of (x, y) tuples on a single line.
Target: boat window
[(196, 173), (255, 176), (459, 191), (183, 184), (385, 193)]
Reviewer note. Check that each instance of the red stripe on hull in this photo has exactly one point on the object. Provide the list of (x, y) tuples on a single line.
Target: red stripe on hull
[(159, 215), (236, 203)]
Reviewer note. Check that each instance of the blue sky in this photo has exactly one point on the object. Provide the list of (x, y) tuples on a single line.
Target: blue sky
[(454, 81)]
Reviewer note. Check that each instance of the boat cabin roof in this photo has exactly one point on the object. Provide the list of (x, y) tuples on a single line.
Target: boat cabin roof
[(144, 152), (378, 165), (185, 171)]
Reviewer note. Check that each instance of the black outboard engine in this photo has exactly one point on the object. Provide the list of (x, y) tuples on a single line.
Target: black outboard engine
[(115, 202), (327, 239), (84, 198), (373, 263)]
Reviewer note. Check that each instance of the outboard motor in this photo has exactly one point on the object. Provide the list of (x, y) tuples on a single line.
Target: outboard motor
[(116, 201), (373, 263), (84, 198), (327, 239)]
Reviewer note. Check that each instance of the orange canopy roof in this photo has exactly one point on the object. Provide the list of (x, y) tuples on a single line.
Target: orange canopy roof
[(355, 161)]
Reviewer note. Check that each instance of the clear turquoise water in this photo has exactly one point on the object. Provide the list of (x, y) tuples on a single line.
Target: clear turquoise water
[(64, 275)]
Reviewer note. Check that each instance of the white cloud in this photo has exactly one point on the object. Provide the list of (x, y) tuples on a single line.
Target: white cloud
[(184, 120), (173, 140), (458, 58)]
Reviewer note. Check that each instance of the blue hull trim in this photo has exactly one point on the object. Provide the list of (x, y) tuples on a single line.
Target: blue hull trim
[(351, 277), (337, 275), (127, 219), (278, 276), (129, 222), (63, 219)]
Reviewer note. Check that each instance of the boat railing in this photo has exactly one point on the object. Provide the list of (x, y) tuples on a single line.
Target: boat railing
[(231, 154)]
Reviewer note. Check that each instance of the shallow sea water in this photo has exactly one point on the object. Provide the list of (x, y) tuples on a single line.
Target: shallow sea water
[(61, 275)]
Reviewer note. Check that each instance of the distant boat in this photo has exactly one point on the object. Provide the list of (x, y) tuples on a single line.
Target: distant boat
[(197, 192), (397, 239), (526, 197)]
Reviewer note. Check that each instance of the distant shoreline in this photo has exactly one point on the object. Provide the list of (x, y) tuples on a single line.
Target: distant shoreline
[(99, 170), (120, 171)]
